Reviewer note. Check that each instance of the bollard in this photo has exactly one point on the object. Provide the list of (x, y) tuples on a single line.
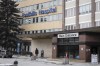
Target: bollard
[(66, 59), (15, 63)]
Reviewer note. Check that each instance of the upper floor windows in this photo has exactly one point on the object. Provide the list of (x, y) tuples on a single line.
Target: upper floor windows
[(48, 18), (85, 9), (98, 6), (49, 4), (70, 12)]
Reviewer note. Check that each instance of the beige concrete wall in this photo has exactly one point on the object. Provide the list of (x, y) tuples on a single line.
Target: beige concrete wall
[(70, 20), (85, 18), (70, 4), (84, 2), (97, 16), (45, 44), (97, 0), (31, 2), (43, 25)]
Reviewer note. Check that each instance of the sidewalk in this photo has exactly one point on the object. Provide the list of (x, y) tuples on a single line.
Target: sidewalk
[(60, 61)]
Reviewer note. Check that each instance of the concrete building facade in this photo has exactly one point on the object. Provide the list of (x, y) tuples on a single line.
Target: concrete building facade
[(82, 16), (41, 20), (62, 26)]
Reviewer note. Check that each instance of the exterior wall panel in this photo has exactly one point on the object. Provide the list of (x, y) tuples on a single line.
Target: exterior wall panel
[(84, 2), (45, 44), (44, 25), (70, 21), (70, 4), (85, 18)]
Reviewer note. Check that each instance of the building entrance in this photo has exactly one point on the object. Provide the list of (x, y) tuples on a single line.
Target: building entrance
[(96, 50), (72, 50)]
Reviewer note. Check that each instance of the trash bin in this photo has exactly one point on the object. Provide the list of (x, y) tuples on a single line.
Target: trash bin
[(15, 63)]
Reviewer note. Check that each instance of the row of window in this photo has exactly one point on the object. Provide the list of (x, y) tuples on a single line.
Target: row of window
[(67, 40), (89, 24), (70, 12), (70, 27), (98, 6), (48, 18), (49, 4), (41, 31), (85, 25), (84, 9), (82, 25)]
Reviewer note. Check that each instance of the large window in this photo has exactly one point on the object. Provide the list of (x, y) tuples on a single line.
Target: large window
[(98, 6), (49, 4), (84, 9), (85, 25), (48, 18), (70, 12)]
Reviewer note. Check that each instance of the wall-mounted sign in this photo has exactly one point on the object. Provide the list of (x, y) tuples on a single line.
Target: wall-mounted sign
[(94, 58), (33, 13), (68, 35), (50, 10)]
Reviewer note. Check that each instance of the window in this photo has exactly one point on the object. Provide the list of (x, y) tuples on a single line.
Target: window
[(84, 9), (33, 20), (37, 6), (54, 17), (59, 16), (70, 12), (51, 4), (59, 2), (36, 19), (85, 25), (41, 19), (45, 18), (50, 17), (55, 3), (98, 6)]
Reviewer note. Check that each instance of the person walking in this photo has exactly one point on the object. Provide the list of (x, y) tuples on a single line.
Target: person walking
[(36, 52), (42, 53)]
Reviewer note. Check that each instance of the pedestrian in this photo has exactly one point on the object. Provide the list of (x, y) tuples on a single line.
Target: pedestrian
[(31, 54), (36, 52), (42, 53)]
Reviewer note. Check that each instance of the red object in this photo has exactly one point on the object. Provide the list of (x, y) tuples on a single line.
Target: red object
[(66, 55)]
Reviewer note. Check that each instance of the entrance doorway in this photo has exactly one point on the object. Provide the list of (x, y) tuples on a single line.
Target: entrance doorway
[(72, 50), (96, 50)]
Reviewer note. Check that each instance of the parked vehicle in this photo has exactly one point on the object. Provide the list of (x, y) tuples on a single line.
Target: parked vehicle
[(5, 54)]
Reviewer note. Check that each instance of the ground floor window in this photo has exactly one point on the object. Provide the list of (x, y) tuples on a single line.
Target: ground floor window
[(72, 50)]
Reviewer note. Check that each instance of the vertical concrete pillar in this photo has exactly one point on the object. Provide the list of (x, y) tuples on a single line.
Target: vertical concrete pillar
[(54, 46), (63, 15), (77, 14), (93, 9), (84, 53)]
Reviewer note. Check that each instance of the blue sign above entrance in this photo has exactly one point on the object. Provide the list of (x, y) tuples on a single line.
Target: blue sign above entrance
[(30, 14), (50, 10), (34, 13)]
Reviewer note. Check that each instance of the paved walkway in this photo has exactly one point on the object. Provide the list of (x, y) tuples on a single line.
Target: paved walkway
[(26, 61), (60, 61)]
